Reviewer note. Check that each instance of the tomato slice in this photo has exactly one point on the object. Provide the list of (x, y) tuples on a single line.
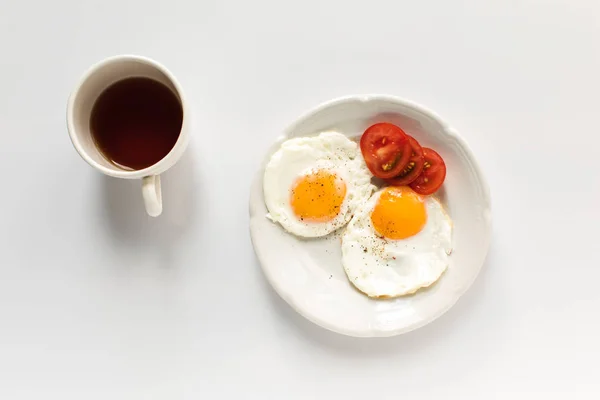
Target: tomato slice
[(386, 149), (433, 175), (414, 167)]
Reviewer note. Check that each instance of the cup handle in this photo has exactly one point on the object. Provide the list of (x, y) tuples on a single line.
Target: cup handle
[(152, 194)]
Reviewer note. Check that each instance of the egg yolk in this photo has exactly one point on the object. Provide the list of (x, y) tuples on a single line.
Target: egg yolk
[(399, 213), (318, 196)]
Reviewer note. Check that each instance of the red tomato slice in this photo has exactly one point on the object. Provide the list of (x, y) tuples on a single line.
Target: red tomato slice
[(386, 149), (414, 167), (433, 175)]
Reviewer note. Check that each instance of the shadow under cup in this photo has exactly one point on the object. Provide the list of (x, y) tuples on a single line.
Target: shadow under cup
[(93, 84)]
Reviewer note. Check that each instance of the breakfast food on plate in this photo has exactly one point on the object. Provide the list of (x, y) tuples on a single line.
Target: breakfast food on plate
[(433, 174), (399, 239), (396, 243), (386, 149), (413, 168), (313, 185), (398, 158)]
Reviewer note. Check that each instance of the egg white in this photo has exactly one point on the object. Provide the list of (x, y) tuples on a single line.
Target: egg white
[(386, 268), (298, 157)]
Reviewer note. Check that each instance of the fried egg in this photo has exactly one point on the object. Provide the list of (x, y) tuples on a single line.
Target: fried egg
[(313, 185), (397, 243)]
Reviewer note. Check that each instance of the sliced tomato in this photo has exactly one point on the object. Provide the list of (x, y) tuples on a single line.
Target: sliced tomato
[(433, 175), (414, 167), (386, 149)]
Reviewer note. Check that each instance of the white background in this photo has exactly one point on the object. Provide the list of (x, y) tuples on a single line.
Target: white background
[(98, 301)]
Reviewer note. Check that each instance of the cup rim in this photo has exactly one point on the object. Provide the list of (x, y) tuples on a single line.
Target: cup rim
[(160, 166)]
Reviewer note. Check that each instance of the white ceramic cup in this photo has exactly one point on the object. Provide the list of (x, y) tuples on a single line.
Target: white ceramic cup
[(79, 109)]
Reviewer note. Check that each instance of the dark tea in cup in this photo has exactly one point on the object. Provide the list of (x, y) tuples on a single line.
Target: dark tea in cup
[(135, 122)]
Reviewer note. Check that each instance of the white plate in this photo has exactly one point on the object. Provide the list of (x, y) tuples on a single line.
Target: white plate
[(307, 273)]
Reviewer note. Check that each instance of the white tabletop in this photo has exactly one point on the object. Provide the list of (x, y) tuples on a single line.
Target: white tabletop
[(98, 301)]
